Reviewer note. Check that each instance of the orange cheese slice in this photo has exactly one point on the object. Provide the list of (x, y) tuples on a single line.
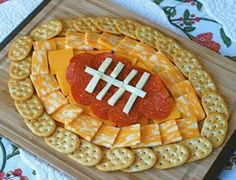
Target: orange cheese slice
[(91, 39), (60, 42), (67, 113), (76, 40), (171, 76), (85, 126), (132, 60), (45, 45), (142, 52), (169, 132), (182, 88), (59, 59), (173, 115), (53, 101), (159, 62), (78, 52), (143, 65), (106, 136), (125, 45), (188, 127), (61, 78), (39, 63), (150, 136), (143, 121), (44, 84), (98, 51), (189, 106), (109, 123), (108, 40), (128, 136)]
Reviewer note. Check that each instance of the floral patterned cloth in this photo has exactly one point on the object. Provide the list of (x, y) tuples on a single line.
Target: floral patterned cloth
[(189, 17)]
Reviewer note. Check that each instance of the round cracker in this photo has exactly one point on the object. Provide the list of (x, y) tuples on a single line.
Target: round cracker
[(148, 35), (127, 27), (63, 141), (31, 108), (172, 155), (199, 148), (86, 24), (107, 24), (145, 158), (67, 26), (185, 61), (47, 30), (43, 126), (201, 81), (212, 102), (215, 129), (87, 154), (20, 70), (20, 89), (116, 159), (20, 48)]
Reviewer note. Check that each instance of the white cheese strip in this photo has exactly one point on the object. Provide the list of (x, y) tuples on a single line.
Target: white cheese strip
[(116, 71), (116, 82), (94, 81), (142, 81), (115, 97)]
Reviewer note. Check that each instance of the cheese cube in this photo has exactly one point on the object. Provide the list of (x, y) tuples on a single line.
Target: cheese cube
[(85, 126), (76, 40), (169, 132), (39, 63), (91, 39), (128, 136), (67, 113), (171, 77), (109, 41), (60, 42), (44, 84), (59, 59), (106, 136), (188, 127), (182, 88), (125, 45), (61, 78), (150, 136), (159, 62), (45, 45), (190, 106), (53, 101)]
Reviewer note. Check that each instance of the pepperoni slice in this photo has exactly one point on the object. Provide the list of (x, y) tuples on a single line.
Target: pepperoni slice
[(75, 70), (155, 105), (117, 116)]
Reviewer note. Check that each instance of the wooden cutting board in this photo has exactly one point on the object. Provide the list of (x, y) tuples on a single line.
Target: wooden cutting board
[(12, 126)]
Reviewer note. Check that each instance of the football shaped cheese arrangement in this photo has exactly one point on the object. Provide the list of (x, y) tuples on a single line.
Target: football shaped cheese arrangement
[(115, 94)]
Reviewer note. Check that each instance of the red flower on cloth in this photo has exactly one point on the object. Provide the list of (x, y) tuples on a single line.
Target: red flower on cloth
[(205, 39), (1, 175), (2, 1)]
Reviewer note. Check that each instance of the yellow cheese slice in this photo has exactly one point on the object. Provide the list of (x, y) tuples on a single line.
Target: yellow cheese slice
[(143, 65), (39, 63), (132, 60), (150, 136), (169, 132), (171, 76), (143, 120), (128, 136), (45, 45), (173, 115), (59, 59), (53, 101), (125, 45), (109, 41), (98, 51), (182, 88), (159, 62), (189, 106), (142, 52), (90, 112), (61, 78), (67, 113), (60, 42), (76, 40), (91, 39), (85, 126), (188, 127), (106, 136), (78, 52), (44, 84)]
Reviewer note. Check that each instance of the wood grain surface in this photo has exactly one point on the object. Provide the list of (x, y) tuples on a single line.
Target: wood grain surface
[(12, 126)]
